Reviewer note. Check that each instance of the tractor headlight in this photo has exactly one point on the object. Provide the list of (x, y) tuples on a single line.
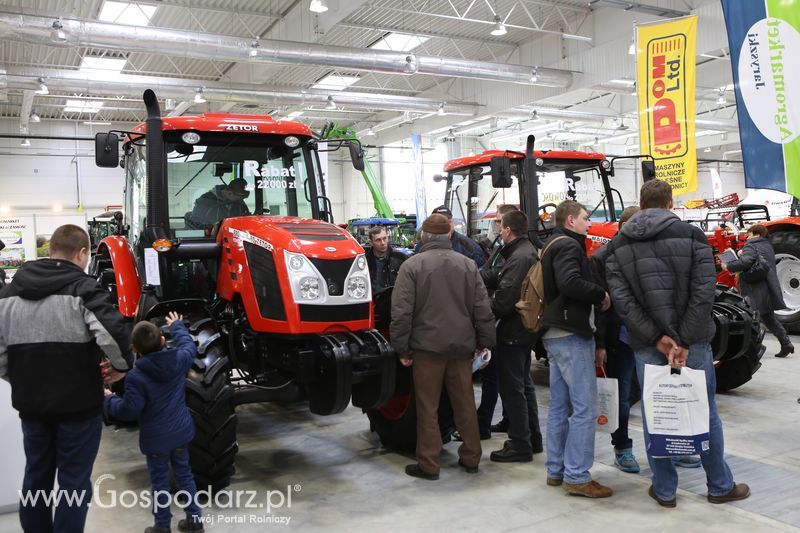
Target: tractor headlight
[(296, 262), (361, 262), (309, 288), (357, 287)]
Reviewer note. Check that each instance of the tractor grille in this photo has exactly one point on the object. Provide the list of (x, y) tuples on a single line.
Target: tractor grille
[(334, 313), (265, 282), (335, 273)]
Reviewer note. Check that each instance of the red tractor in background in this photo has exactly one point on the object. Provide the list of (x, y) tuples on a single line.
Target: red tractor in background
[(279, 299), (538, 180)]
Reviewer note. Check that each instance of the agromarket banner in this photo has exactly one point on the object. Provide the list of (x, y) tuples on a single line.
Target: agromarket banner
[(665, 65), (765, 59)]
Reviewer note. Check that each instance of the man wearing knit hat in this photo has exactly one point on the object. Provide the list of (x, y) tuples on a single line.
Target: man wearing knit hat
[(441, 318), (460, 243)]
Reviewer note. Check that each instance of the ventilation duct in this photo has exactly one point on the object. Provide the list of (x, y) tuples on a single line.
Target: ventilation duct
[(196, 45)]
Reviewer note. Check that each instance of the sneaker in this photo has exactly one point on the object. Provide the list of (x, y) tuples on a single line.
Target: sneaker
[(740, 491), (469, 469), (554, 481), (687, 461), (415, 471), (510, 455), (590, 489), (484, 436), (626, 461), (663, 503), (193, 525)]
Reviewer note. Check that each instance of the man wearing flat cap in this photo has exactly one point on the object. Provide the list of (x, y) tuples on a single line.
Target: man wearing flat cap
[(460, 243), (441, 317)]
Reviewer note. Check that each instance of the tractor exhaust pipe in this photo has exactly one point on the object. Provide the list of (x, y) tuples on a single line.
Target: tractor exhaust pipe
[(531, 191), (157, 221)]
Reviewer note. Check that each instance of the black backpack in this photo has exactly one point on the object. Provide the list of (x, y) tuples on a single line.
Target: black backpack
[(758, 272)]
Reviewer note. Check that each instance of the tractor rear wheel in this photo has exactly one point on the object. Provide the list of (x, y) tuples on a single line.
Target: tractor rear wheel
[(737, 343), (396, 422), (787, 263), (209, 396)]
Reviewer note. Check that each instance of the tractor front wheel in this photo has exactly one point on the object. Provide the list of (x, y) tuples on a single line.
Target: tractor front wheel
[(787, 263)]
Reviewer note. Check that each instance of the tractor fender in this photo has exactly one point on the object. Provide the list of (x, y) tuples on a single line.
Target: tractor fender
[(126, 274), (782, 224)]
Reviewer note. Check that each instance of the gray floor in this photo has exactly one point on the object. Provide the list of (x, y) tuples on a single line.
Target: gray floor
[(341, 479)]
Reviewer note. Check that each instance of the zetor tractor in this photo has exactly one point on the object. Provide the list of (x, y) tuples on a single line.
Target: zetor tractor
[(278, 299), (538, 181)]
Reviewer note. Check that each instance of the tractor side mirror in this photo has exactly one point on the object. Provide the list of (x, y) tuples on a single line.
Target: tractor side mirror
[(501, 172), (438, 177), (356, 156), (106, 150), (648, 169)]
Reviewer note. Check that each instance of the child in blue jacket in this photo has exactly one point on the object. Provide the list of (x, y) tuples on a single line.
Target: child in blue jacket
[(154, 396)]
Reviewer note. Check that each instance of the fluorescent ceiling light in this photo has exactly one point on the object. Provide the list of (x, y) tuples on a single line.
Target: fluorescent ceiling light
[(90, 63), (335, 82), (82, 106), (399, 42), (96, 123), (318, 6), (127, 13)]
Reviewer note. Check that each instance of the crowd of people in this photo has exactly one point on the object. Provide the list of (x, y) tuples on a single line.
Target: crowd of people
[(645, 298)]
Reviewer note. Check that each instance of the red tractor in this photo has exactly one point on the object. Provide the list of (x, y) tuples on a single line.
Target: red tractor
[(477, 184), (278, 298)]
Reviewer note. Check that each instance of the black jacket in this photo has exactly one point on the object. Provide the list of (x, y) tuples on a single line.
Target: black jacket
[(766, 295), (56, 324), (390, 268), (569, 287), (662, 279), (607, 323), (519, 256), (491, 269)]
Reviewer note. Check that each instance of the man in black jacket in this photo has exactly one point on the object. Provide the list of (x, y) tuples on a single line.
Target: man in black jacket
[(514, 343), (568, 324), (383, 260), (56, 326), (661, 275)]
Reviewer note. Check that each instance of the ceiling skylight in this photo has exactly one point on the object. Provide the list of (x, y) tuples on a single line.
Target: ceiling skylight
[(127, 13), (103, 63), (399, 42), (82, 106), (335, 82)]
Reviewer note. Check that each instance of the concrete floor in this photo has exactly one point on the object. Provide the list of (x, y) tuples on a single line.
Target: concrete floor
[(340, 478)]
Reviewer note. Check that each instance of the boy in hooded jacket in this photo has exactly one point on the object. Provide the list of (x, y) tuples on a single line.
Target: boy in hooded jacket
[(155, 397)]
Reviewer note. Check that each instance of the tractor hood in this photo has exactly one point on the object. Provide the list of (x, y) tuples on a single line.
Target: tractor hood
[(312, 238)]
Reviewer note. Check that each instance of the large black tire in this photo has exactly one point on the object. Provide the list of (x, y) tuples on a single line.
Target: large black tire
[(787, 255), (738, 343), (209, 396), (396, 423)]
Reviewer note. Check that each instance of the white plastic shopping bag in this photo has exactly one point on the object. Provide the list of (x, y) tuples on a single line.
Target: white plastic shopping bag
[(607, 404), (676, 409)]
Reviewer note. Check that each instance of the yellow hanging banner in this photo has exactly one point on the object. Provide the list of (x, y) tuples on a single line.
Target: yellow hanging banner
[(666, 70)]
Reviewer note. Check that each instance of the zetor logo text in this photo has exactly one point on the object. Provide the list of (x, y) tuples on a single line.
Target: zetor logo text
[(666, 96), (240, 127)]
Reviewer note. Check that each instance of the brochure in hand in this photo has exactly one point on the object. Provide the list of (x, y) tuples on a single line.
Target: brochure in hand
[(727, 256)]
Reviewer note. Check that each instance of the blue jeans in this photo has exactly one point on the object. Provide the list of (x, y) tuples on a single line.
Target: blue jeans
[(490, 390), (573, 408), (719, 478), (66, 450), (158, 465), (621, 364)]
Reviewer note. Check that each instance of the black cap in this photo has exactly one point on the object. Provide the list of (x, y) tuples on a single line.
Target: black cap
[(239, 187), (442, 210)]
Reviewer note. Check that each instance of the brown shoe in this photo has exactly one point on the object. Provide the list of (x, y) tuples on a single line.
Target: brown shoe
[(554, 481), (740, 491), (590, 489), (663, 503)]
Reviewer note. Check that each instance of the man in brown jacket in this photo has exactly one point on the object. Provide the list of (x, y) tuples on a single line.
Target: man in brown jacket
[(441, 317)]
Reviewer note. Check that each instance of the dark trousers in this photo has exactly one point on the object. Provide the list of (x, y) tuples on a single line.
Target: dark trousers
[(158, 465), (518, 395), (776, 328), (490, 390), (622, 365), (66, 450), (431, 372)]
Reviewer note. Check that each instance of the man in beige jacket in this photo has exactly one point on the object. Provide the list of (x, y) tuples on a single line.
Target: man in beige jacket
[(441, 317)]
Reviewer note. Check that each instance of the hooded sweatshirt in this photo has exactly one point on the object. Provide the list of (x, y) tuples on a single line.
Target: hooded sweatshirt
[(661, 277), (56, 324), (155, 395)]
